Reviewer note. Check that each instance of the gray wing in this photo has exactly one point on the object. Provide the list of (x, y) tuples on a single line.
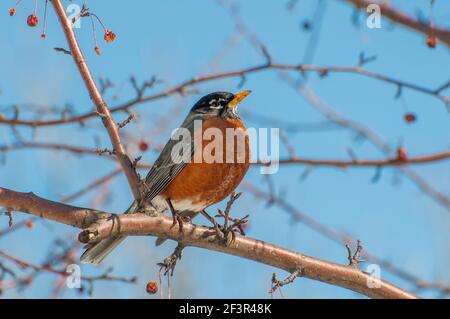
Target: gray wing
[(171, 161)]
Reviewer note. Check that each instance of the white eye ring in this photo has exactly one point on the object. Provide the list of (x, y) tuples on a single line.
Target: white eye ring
[(213, 105)]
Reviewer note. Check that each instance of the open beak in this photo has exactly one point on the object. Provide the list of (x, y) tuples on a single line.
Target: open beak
[(238, 97)]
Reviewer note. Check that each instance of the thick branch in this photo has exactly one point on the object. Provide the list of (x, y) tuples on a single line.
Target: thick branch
[(102, 108), (401, 18), (198, 236)]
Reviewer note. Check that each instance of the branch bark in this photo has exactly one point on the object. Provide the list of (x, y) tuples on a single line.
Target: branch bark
[(98, 225), (242, 73), (100, 104), (401, 18), (413, 160)]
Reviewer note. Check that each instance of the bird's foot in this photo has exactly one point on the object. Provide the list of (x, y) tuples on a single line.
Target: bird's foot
[(169, 263), (231, 226), (228, 232), (177, 218)]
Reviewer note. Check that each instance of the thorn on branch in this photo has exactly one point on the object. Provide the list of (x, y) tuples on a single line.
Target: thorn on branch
[(136, 161), (442, 87), (280, 283), (106, 151), (354, 259), (266, 54), (377, 175), (62, 50), (126, 121), (242, 81), (105, 84), (399, 92), (363, 60), (306, 173), (140, 89), (352, 155)]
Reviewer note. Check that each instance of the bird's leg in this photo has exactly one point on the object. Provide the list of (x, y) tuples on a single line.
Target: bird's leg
[(176, 217), (231, 225), (170, 262)]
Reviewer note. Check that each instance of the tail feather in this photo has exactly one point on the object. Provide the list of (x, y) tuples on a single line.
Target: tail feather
[(96, 253)]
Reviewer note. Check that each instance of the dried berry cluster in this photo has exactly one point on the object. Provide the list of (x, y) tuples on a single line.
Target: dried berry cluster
[(33, 21)]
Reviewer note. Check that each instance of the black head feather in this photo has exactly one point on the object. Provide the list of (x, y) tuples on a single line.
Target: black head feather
[(213, 103)]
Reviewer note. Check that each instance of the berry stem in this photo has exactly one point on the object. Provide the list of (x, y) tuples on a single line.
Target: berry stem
[(44, 28), (97, 49), (100, 21)]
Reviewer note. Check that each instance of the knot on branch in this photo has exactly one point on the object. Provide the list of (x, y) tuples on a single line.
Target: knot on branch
[(92, 235)]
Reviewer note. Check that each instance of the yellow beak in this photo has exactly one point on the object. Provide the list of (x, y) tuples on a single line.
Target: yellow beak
[(238, 97)]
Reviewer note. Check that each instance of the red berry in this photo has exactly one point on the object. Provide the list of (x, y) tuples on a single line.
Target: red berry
[(43, 35), (81, 290), (152, 287), (109, 36), (410, 117), (432, 41), (401, 154), (12, 12), (32, 20), (29, 224), (143, 146)]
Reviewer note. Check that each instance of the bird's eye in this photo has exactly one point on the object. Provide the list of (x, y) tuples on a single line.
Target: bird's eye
[(214, 105)]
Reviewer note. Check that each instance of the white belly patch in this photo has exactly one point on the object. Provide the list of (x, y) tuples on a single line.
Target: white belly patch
[(161, 206)]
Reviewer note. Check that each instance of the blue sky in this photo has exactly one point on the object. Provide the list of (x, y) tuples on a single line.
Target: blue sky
[(176, 40)]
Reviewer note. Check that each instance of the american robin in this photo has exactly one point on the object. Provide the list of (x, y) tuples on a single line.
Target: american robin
[(200, 168)]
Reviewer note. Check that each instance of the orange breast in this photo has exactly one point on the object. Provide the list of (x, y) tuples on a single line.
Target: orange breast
[(218, 166)]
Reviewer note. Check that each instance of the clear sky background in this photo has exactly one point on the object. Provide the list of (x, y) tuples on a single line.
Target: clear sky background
[(176, 40)]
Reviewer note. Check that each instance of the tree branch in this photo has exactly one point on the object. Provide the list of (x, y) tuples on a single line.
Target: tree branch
[(98, 225), (413, 160), (182, 87), (401, 18), (102, 108)]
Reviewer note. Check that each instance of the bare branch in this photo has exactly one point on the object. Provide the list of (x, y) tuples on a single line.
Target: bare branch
[(412, 160), (401, 18), (229, 74)]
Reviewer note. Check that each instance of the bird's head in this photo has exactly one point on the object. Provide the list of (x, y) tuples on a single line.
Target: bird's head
[(221, 104)]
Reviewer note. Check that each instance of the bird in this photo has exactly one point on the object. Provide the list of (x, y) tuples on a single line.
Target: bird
[(194, 172)]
